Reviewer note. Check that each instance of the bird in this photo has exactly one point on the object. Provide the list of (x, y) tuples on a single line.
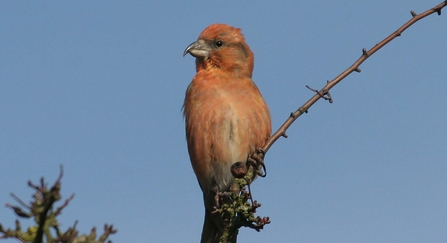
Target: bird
[(226, 117)]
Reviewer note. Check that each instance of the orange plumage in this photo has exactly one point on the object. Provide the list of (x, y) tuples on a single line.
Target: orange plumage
[(226, 117)]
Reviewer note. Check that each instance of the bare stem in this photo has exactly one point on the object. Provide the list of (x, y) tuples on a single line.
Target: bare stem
[(324, 92)]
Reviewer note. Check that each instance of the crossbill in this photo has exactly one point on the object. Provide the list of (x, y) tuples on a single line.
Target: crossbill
[(226, 116)]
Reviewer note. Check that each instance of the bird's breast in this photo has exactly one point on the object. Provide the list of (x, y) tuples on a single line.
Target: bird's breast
[(225, 121)]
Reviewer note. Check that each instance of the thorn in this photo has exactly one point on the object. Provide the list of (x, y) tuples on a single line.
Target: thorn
[(398, 33), (325, 95), (365, 52), (314, 90), (329, 97), (357, 70), (302, 110), (439, 11), (413, 13), (284, 135)]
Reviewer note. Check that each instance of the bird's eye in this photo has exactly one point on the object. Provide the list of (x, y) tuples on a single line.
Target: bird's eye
[(219, 43)]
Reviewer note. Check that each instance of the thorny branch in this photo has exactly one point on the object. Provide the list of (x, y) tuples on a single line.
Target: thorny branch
[(244, 176), (324, 92)]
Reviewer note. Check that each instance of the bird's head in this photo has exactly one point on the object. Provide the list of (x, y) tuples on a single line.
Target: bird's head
[(223, 47)]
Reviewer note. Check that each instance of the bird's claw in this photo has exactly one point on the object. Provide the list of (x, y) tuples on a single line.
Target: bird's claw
[(257, 160), (218, 198)]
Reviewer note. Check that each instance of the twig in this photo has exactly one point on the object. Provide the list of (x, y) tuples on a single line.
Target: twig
[(45, 217), (324, 92), (19, 201), (258, 155), (47, 204), (59, 209)]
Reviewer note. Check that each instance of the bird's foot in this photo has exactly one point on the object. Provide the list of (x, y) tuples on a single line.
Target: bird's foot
[(257, 161), (218, 198)]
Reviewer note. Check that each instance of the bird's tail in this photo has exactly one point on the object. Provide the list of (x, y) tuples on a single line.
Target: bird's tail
[(212, 228)]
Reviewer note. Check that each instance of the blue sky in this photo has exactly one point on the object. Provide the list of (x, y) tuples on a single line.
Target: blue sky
[(98, 87)]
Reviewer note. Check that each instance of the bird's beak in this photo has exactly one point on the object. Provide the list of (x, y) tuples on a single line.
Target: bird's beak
[(198, 49)]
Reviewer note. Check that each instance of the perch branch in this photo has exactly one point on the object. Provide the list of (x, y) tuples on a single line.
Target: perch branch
[(242, 213), (324, 92)]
